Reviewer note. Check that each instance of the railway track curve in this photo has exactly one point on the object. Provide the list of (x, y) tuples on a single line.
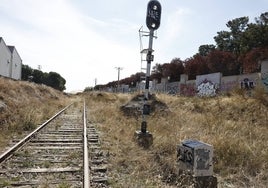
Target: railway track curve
[(62, 152)]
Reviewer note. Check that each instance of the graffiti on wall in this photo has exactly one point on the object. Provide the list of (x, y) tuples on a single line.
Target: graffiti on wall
[(265, 79), (187, 89), (247, 84), (207, 89), (213, 77), (173, 88), (264, 74)]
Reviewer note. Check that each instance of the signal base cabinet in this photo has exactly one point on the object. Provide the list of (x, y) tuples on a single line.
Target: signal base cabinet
[(195, 157)]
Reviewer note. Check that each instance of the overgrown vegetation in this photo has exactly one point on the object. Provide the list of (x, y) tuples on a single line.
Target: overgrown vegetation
[(25, 105), (52, 79), (236, 125)]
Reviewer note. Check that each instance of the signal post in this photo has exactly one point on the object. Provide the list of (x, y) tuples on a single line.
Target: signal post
[(153, 17)]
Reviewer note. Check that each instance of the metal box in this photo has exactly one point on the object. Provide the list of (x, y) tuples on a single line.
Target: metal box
[(195, 157)]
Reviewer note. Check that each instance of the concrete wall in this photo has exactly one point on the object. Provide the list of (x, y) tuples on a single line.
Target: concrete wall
[(220, 84), (264, 74), (214, 78), (228, 83), (249, 81), (173, 87), (188, 88), (215, 82)]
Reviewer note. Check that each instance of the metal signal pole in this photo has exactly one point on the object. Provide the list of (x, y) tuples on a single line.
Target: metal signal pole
[(149, 59), (153, 22), (118, 76)]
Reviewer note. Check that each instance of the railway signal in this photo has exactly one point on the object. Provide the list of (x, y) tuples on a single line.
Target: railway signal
[(118, 76), (153, 17)]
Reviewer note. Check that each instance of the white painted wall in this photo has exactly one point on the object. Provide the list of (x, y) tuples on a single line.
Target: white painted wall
[(5, 59), (16, 65), (10, 61)]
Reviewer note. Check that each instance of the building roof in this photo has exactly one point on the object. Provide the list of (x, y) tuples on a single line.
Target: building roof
[(11, 48), (1, 39)]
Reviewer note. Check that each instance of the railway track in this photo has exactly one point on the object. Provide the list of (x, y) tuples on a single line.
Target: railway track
[(63, 152)]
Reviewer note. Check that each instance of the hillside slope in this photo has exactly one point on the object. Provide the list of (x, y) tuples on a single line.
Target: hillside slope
[(24, 105)]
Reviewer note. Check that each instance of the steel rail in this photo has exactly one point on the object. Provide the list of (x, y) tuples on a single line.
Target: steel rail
[(29, 136), (86, 162)]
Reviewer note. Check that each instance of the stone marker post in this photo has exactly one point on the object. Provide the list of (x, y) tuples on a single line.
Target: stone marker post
[(194, 159)]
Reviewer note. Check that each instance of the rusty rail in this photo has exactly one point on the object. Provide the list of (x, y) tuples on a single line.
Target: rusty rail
[(86, 162), (29, 136)]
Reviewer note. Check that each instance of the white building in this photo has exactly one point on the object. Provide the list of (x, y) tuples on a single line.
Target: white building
[(10, 61)]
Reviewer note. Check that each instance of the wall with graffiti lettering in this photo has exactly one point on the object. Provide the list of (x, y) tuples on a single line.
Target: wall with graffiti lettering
[(207, 89), (208, 85), (249, 81), (212, 84), (214, 78), (173, 88)]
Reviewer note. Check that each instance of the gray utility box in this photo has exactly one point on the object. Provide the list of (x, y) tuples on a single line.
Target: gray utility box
[(195, 157)]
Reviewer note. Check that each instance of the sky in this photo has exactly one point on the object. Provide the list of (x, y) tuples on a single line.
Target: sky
[(85, 40)]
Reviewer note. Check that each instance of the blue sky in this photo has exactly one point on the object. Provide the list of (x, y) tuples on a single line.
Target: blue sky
[(84, 40)]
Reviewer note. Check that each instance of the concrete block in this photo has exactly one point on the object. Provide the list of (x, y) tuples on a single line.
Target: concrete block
[(195, 157)]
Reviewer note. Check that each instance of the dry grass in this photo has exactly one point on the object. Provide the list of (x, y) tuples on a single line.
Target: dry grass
[(236, 125), (24, 106)]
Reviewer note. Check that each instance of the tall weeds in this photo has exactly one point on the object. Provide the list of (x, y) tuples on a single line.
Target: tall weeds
[(236, 126), (24, 106)]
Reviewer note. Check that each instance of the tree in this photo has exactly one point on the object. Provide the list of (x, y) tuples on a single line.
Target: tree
[(196, 65), (204, 50), (88, 89), (251, 60), (54, 80), (26, 71), (51, 79), (38, 76), (256, 35), (224, 62), (171, 70), (231, 41), (263, 19), (112, 84), (133, 79), (174, 70), (157, 72), (242, 46), (191, 68), (223, 41)]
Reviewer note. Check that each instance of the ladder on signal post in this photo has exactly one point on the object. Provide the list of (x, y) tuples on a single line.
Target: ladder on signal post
[(144, 35)]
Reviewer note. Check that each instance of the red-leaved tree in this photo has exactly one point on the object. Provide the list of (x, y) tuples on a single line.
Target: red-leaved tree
[(224, 62), (196, 65), (251, 60)]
